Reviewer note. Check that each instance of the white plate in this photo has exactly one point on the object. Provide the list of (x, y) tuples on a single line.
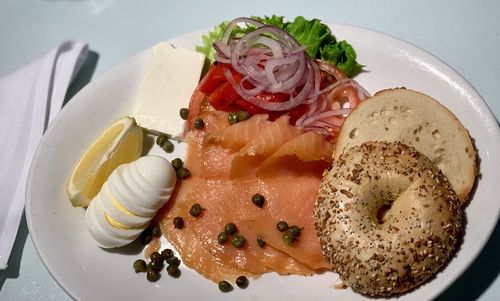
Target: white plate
[(87, 272)]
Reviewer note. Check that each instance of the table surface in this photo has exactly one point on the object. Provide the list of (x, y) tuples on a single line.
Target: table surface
[(464, 34)]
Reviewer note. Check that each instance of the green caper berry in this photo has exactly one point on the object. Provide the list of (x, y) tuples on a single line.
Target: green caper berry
[(168, 146), (195, 210), (238, 241), (183, 112), (153, 275), (173, 271), (177, 163), (242, 115), (172, 260), (258, 199), (140, 266), (288, 239), (242, 282), (178, 222), (183, 173), (282, 226), (225, 286), (156, 264), (155, 256), (167, 253), (230, 229), (232, 118), (156, 231), (261, 242), (294, 231), (222, 238), (199, 123), (161, 139)]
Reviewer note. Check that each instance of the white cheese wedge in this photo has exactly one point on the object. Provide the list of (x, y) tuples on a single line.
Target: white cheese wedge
[(169, 80)]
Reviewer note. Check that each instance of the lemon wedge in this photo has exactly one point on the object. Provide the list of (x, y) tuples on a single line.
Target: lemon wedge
[(120, 143)]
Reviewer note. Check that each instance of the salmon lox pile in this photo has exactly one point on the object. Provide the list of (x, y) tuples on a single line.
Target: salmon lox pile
[(228, 165)]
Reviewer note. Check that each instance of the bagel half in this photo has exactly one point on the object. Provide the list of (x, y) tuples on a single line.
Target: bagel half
[(419, 121), (387, 218)]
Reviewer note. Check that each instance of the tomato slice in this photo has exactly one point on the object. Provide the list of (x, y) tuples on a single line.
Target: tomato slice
[(250, 108), (213, 79), (223, 97), (275, 97)]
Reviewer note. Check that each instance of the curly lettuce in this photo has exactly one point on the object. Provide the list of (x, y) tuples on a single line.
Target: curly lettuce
[(317, 37), (207, 40)]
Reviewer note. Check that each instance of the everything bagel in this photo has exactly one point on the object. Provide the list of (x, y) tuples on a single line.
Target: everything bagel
[(387, 218)]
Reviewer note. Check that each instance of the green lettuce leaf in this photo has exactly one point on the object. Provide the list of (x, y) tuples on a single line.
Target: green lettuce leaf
[(207, 40), (311, 34), (342, 55)]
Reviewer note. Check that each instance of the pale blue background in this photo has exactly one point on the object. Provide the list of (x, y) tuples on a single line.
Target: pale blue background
[(464, 34)]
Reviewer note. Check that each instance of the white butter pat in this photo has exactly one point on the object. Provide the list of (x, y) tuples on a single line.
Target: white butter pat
[(169, 80)]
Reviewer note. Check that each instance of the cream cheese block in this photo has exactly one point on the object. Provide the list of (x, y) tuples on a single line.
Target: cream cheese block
[(168, 82)]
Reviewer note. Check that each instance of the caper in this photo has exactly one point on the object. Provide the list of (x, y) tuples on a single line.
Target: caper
[(183, 173), (230, 229), (155, 256), (145, 237), (173, 271), (166, 253), (153, 275), (242, 282), (294, 231), (258, 199), (156, 231), (222, 238), (140, 266), (178, 222), (199, 123), (168, 146), (195, 210), (225, 286), (232, 118), (155, 264), (261, 242), (282, 226), (172, 260), (288, 239), (183, 112), (161, 139), (238, 241), (177, 163), (242, 115)]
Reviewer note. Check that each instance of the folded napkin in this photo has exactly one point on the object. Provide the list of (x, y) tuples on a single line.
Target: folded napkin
[(29, 99)]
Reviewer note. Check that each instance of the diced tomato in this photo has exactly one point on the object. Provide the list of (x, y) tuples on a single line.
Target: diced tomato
[(213, 79), (296, 112), (250, 108), (269, 97), (223, 97)]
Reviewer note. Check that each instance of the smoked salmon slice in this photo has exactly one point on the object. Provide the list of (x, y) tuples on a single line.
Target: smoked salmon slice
[(191, 249), (309, 148), (239, 134), (213, 196), (265, 142), (223, 160)]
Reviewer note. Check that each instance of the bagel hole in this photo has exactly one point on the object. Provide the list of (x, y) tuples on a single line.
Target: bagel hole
[(382, 212)]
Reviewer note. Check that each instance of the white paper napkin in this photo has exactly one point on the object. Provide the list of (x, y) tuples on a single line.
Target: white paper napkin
[(29, 99)]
